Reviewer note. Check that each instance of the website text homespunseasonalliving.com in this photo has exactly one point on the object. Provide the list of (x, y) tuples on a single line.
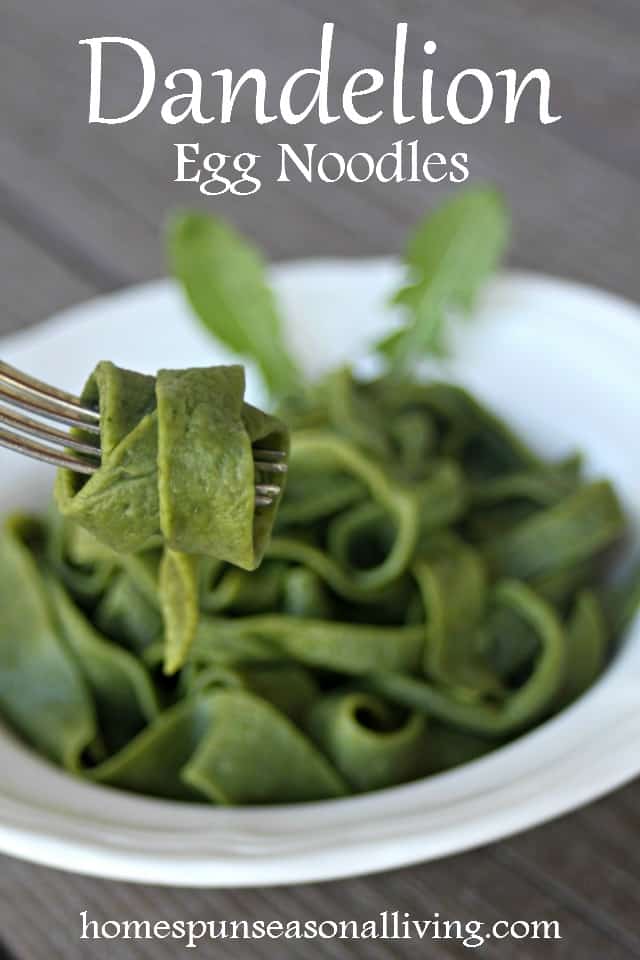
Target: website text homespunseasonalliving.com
[(393, 925)]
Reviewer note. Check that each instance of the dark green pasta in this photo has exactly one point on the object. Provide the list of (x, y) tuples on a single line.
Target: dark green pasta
[(177, 464), (432, 590), (177, 471)]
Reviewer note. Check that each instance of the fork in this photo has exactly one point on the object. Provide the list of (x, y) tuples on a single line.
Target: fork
[(21, 392)]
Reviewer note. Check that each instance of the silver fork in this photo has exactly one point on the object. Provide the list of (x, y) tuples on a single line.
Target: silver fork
[(20, 392)]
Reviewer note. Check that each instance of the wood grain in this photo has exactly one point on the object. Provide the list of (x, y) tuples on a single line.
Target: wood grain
[(533, 876), (33, 283), (81, 211)]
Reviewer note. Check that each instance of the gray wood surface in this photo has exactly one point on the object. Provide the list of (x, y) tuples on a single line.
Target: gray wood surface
[(81, 211)]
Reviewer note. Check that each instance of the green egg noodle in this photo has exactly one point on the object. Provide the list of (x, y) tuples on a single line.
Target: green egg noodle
[(432, 589), (426, 589)]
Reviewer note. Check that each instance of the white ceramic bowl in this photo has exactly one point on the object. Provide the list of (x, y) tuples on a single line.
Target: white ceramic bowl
[(561, 362)]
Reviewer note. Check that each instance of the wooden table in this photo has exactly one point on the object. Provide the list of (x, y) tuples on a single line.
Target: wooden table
[(81, 209)]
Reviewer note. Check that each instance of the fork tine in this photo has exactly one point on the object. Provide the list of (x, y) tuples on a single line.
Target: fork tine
[(35, 396), (270, 454), (12, 441), (270, 467), (268, 461), (267, 490), (42, 431), (33, 403)]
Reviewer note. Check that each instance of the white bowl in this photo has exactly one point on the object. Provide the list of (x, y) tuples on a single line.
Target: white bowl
[(561, 362)]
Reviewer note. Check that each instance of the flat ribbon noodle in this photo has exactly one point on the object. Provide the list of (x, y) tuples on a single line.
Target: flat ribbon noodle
[(432, 589), (177, 471)]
